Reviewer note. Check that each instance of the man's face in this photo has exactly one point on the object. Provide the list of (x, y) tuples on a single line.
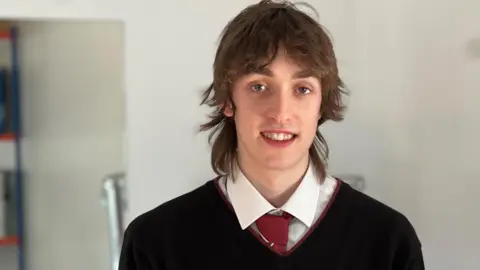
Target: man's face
[(277, 111)]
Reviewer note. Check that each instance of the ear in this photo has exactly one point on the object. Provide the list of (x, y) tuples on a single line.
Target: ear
[(227, 110)]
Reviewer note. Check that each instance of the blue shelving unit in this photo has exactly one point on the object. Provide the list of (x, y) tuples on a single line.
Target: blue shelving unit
[(14, 134)]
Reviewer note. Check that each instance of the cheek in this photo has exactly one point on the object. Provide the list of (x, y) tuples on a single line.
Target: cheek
[(312, 123), (310, 117), (247, 117), (311, 109), (246, 109), (319, 107), (245, 121)]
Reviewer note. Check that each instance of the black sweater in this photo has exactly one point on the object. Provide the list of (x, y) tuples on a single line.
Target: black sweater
[(199, 230)]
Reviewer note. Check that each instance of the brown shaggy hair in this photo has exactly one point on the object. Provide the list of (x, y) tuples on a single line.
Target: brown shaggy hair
[(249, 43)]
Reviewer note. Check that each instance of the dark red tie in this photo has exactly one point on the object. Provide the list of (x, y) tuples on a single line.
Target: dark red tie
[(275, 230)]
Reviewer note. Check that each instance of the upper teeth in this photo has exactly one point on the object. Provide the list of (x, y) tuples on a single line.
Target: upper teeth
[(278, 136)]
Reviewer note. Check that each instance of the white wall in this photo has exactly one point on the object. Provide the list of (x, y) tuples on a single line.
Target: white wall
[(8, 257), (73, 111), (444, 83), (404, 60)]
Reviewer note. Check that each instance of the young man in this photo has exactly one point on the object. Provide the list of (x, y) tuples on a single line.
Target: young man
[(273, 205)]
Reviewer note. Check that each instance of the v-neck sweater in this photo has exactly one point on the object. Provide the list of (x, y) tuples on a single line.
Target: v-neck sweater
[(199, 230)]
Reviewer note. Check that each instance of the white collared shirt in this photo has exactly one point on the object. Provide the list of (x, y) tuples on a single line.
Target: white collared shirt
[(306, 204)]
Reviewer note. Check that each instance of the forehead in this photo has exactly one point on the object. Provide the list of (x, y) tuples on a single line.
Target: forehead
[(284, 65)]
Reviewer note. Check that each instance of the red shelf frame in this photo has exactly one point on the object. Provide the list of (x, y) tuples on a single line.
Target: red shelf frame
[(9, 241), (4, 35), (7, 137)]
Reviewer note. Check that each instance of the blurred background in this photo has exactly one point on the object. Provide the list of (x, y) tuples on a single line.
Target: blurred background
[(99, 107)]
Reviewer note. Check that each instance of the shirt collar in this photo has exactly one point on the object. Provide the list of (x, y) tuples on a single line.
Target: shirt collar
[(249, 204)]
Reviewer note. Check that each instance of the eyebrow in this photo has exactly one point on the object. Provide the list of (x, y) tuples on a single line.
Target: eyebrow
[(298, 75)]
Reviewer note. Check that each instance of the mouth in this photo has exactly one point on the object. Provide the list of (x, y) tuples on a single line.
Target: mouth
[(279, 139)]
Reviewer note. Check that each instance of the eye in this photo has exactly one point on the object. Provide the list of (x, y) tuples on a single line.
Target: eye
[(303, 90), (258, 87)]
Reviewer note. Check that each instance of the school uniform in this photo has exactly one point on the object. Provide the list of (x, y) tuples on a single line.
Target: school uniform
[(227, 224)]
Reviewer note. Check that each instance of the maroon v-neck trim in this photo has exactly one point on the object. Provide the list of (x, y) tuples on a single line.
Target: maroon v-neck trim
[(304, 237)]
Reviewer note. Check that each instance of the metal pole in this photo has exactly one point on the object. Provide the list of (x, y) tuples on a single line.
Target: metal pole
[(114, 200)]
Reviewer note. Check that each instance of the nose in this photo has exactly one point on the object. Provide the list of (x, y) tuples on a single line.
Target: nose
[(280, 107)]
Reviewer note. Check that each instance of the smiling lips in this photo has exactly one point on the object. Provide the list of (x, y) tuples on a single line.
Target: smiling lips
[(279, 138)]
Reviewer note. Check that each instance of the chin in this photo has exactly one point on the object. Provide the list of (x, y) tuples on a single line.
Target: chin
[(279, 163)]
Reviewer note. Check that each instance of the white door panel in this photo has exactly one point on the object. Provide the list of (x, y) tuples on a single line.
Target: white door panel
[(72, 88)]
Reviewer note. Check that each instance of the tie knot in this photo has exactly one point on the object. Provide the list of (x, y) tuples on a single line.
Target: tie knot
[(274, 229)]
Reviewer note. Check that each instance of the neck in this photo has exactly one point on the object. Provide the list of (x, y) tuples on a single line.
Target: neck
[(276, 186)]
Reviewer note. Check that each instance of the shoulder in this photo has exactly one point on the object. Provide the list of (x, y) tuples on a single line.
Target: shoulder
[(368, 207), (159, 222), (375, 213), (155, 233), (386, 228)]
